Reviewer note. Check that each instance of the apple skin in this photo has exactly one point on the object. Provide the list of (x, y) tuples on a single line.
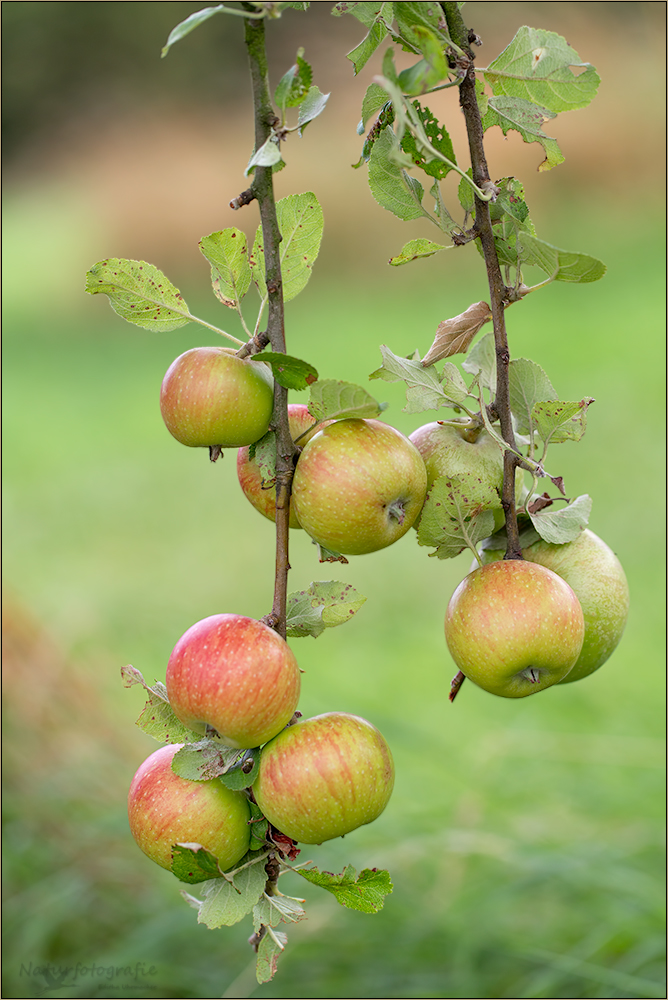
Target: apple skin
[(359, 485), (211, 397), (447, 451), (595, 574), (323, 777), (165, 809), (250, 480), (236, 675), (514, 628)]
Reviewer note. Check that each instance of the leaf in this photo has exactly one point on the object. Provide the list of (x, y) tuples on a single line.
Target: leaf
[(366, 892), (391, 186), (458, 512), (414, 249), (259, 828), (300, 223), (413, 19), (157, 718), (482, 359), (269, 948), (424, 390), (565, 525), (333, 400), (528, 385), (227, 252), (429, 71), (291, 373), (374, 99), (224, 903), (244, 771), (559, 265), (313, 105), (536, 66), (268, 155), (375, 17), (557, 421), (293, 87), (263, 453), (454, 336), (274, 910), (185, 27), (139, 293), (192, 863), (325, 604), (204, 760), (439, 138), (526, 118)]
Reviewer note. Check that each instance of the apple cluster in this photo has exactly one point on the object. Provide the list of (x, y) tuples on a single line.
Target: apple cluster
[(514, 627)]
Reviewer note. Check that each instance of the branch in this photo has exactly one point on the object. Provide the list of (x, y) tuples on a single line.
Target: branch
[(497, 289), (263, 190)]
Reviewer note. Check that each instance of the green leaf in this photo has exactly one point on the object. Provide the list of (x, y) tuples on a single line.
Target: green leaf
[(527, 119), (365, 892), (415, 249), (269, 948), (140, 293), (424, 390), (374, 16), (365, 12), (192, 863), (415, 20), (528, 385), (439, 138), (293, 87), (482, 359), (263, 452), (157, 718), (333, 400), (510, 206), (565, 525), (325, 604), (204, 760), (259, 828), (458, 513), (374, 99), (268, 155), (536, 66), (557, 421), (430, 70), (391, 186), (243, 772), (290, 372), (226, 903), (274, 910), (560, 265), (227, 252), (300, 223), (313, 105), (185, 27)]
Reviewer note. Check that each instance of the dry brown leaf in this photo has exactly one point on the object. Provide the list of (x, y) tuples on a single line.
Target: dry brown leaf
[(454, 336)]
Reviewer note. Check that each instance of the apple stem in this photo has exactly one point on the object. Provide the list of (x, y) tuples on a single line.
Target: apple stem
[(455, 685), (500, 295)]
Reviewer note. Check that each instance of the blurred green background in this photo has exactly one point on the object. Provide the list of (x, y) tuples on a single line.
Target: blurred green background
[(524, 838)]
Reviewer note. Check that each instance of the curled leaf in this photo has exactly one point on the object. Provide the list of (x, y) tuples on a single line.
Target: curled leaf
[(454, 336)]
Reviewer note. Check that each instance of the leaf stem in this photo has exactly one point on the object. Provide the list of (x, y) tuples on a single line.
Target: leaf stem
[(210, 326)]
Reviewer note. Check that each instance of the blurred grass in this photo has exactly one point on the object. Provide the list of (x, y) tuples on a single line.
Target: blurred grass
[(524, 839)]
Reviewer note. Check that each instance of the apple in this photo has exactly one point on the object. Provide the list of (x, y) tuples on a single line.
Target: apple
[(359, 485), (165, 809), (449, 451), (514, 628), (325, 776), (250, 480), (210, 398), (235, 675), (595, 574)]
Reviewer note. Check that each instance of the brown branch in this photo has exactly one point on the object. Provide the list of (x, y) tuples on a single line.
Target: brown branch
[(263, 190), (462, 37)]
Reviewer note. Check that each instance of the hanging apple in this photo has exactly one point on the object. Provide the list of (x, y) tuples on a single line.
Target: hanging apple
[(165, 809), (323, 777), (235, 675), (514, 628), (359, 486), (210, 397)]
